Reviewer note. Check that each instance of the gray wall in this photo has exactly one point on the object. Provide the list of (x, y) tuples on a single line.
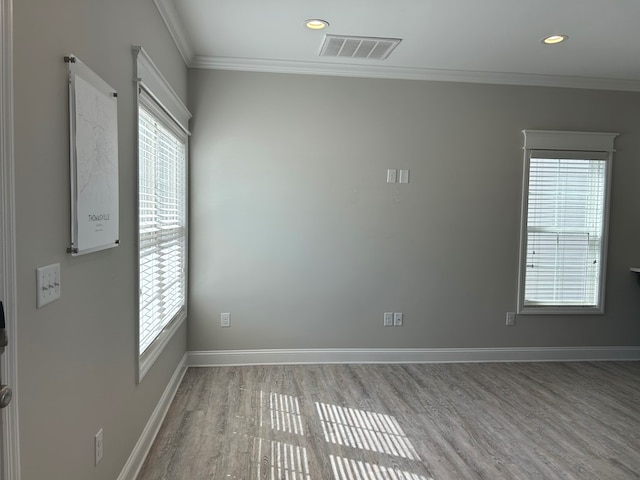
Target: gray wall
[(295, 232), (77, 356)]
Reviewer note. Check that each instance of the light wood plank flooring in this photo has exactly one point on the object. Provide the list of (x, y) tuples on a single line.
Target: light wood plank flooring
[(399, 422)]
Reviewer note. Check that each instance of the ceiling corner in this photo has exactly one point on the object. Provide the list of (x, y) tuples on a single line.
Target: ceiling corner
[(169, 14), (411, 73)]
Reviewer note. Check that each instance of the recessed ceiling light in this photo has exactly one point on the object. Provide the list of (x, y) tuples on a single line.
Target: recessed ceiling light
[(316, 24), (554, 39)]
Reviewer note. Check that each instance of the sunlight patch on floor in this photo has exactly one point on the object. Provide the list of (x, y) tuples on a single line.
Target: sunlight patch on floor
[(364, 430), (285, 413), (350, 469)]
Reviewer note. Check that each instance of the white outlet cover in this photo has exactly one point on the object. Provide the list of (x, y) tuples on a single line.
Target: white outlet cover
[(225, 319), (99, 446), (388, 319), (391, 175), (398, 319), (511, 319)]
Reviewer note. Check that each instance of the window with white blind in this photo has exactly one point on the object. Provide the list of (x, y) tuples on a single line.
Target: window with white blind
[(564, 222), (162, 136), (161, 228)]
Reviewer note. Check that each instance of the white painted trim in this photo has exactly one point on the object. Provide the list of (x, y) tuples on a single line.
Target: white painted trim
[(176, 29), (559, 140), (408, 73), (136, 459), (10, 430), (410, 355), (147, 359), (150, 76), (155, 85), (558, 143)]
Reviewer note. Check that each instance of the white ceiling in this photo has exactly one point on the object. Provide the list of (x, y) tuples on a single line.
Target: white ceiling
[(486, 41)]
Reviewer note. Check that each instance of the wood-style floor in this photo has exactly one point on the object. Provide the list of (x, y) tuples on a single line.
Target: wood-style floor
[(398, 422)]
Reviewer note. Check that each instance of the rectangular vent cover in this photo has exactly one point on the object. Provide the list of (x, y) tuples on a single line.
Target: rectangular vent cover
[(372, 48)]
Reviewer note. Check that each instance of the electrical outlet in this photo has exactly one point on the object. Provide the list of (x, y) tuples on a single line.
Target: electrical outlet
[(225, 319), (99, 446), (397, 319), (404, 176), (392, 175), (388, 319), (511, 319)]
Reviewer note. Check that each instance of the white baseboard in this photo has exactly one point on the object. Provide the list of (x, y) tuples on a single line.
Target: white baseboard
[(140, 451), (410, 355)]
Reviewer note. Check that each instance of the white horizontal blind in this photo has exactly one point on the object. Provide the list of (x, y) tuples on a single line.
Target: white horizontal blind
[(565, 227), (162, 220)]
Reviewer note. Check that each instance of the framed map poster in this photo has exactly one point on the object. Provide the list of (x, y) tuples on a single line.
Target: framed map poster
[(93, 122)]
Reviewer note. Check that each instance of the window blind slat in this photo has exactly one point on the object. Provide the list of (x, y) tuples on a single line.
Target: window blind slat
[(162, 220), (565, 221)]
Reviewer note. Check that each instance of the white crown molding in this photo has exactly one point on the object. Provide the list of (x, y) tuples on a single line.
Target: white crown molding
[(172, 20), (410, 355), (406, 73), (10, 430), (136, 459)]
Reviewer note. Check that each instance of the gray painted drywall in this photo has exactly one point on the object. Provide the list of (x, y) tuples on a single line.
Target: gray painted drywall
[(295, 232), (77, 356)]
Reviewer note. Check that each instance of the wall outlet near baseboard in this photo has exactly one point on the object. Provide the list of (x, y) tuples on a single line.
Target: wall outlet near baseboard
[(225, 319), (511, 319), (388, 319), (398, 319), (98, 446)]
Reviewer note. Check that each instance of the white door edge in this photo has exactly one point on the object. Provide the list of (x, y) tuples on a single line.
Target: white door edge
[(9, 370)]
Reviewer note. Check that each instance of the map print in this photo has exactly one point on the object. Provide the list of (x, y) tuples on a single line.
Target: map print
[(96, 142)]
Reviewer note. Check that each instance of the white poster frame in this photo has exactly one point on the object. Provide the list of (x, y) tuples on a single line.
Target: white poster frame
[(93, 152)]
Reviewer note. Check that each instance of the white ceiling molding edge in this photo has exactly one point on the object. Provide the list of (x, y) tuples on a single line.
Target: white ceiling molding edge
[(172, 20), (403, 73)]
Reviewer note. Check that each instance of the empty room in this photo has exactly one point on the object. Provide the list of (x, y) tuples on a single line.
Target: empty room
[(361, 240)]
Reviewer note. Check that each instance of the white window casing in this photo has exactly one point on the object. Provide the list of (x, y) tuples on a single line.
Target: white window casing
[(565, 213), (162, 139)]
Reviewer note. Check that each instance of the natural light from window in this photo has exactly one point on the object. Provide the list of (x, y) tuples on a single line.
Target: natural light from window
[(285, 413), (284, 453), (364, 430), (350, 469)]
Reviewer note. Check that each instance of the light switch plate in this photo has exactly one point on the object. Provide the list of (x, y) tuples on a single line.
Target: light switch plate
[(47, 284), (392, 175), (404, 176)]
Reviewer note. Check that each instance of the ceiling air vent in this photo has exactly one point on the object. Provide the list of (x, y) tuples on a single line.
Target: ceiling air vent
[(371, 48)]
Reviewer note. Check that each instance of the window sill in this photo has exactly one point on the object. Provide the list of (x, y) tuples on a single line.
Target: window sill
[(560, 311), (149, 357)]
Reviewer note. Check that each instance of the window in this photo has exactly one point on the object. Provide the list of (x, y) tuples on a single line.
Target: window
[(161, 226), (162, 211), (564, 222)]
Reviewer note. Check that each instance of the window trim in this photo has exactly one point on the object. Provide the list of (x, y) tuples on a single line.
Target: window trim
[(597, 144), (156, 95)]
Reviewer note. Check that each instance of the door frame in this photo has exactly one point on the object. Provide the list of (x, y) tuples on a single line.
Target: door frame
[(9, 370)]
